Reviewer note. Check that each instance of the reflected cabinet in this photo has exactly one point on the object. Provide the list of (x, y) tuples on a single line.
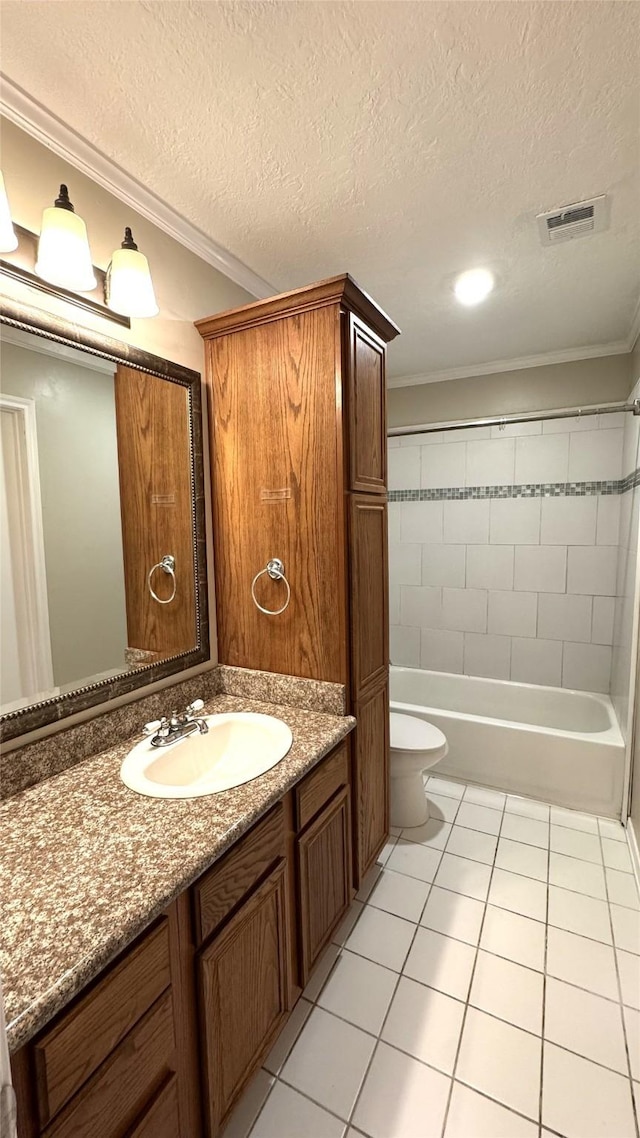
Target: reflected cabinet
[(102, 574), (298, 443)]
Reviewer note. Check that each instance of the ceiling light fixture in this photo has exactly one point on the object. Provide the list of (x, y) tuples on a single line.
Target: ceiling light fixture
[(64, 258), (128, 287), (8, 236), (473, 286)]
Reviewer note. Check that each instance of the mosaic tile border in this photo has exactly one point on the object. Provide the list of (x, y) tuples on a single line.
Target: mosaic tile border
[(524, 490), (630, 482)]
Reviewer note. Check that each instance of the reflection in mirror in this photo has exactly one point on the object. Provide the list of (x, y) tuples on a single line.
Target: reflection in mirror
[(96, 489)]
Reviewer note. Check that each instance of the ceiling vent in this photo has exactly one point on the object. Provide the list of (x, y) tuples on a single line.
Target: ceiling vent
[(571, 221)]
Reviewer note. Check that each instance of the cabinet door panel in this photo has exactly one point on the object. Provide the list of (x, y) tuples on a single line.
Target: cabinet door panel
[(156, 500), (369, 592), (371, 781), (325, 860), (367, 409), (244, 985), (276, 446)]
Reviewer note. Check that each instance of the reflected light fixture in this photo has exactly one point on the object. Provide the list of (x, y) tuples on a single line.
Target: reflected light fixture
[(64, 258), (473, 286), (128, 287), (8, 237)]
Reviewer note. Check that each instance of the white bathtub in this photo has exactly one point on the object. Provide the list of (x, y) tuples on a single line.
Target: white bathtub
[(554, 744)]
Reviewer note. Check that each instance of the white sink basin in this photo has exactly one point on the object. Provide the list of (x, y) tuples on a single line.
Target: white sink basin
[(238, 746)]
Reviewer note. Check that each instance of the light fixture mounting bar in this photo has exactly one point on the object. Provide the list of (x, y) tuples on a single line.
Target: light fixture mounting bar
[(26, 254)]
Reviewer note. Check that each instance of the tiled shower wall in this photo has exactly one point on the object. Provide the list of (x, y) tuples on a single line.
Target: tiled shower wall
[(504, 550)]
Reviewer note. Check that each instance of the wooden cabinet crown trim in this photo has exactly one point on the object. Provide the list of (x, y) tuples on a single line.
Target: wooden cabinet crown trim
[(339, 289)]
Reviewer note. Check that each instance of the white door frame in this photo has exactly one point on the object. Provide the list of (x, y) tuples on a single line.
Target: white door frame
[(28, 541)]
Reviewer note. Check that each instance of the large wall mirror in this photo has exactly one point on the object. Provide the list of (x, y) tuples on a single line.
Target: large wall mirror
[(102, 539)]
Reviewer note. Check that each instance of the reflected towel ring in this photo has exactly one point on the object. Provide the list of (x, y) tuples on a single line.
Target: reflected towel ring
[(275, 569), (168, 565)]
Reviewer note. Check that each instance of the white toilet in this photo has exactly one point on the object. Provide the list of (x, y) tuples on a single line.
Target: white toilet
[(415, 746)]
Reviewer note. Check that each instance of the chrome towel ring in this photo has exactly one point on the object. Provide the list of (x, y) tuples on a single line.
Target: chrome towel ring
[(168, 565), (275, 570)]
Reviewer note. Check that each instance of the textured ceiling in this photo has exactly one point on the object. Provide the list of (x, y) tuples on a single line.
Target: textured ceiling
[(401, 141)]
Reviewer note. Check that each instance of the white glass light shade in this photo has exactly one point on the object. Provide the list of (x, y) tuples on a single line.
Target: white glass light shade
[(130, 290), (8, 238), (64, 258), (473, 286)]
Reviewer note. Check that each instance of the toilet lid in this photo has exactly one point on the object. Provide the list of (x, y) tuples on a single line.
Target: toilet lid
[(408, 733)]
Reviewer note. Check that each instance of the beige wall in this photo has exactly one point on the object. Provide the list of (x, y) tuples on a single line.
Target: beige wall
[(186, 287), (80, 494), (634, 364), (572, 384)]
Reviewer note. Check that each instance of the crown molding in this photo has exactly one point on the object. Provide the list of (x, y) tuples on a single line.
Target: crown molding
[(568, 355), (20, 108)]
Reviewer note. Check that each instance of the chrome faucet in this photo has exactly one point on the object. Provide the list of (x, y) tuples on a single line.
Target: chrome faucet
[(177, 726)]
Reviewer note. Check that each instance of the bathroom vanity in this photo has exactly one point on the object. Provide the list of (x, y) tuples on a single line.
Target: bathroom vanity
[(152, 949), (161, 1040)]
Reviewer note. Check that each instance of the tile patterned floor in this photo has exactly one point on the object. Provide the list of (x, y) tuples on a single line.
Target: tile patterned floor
[(485, 984)]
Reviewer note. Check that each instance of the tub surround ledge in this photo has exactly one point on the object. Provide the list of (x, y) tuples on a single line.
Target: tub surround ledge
[(87, 864)]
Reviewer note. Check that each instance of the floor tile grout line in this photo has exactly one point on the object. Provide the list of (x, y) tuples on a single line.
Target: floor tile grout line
[(418, 924), (458, 1000), (544, 996), (382, 1026), (431, 1066), (490, 904), (549, 805), (632, 909), (469, 988), (635, 1111), (309, 1098), (439, 1070), (526, 916)]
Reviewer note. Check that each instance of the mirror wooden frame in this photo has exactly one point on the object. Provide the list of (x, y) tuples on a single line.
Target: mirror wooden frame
[(56, 708)]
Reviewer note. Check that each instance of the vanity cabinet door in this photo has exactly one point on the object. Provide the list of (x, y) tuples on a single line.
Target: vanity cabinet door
[(325, 861), (369, 592), (371, 776), (367, 409), (244, 985)]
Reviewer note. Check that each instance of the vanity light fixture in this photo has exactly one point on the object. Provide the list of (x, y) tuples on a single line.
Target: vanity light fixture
[(128, 285), (64, 258), (8, 236), (473, 286)]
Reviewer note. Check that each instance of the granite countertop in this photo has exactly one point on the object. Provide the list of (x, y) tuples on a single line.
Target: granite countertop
[(87, 864)]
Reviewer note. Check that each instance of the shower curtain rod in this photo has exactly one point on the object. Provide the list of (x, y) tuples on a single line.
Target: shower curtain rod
[(504, 420)]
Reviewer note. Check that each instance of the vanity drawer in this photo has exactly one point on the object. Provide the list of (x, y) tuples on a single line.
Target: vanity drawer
[(69, 1053), (231, 878), (321, 784), (161, 1118), (117, 1094)]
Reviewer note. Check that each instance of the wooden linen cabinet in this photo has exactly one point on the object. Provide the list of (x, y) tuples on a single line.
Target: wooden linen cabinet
[(298, 442)]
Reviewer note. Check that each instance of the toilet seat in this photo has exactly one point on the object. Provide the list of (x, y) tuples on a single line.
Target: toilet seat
[(409, 733)]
